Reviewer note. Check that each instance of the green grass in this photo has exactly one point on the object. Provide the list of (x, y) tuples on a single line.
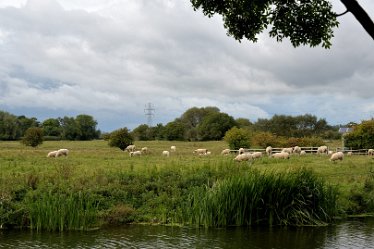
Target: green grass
[(97, 184)]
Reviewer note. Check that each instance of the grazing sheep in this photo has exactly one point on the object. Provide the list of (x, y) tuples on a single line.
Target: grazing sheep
[(241, 151), (302, 153), (330, 152), (145, 150), (243, 157), (166, 153), (173, 148), (349, 153), (225, 152), (130, 148), (200, 151), (281, 155), (62, 152), (135, 153), (370, 152), (322, 150), (288, 150), (269, 150), (256, 155), (296, 150), (337, 156), (52, 153)]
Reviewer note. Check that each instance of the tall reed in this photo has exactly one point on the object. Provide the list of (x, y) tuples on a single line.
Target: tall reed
[(294, 198), (59, 211)]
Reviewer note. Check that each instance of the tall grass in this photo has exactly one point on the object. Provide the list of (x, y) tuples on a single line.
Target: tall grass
[(294, 198), (58, 211)]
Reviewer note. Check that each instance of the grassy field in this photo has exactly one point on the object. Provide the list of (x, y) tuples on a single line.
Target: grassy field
[(100, 185)]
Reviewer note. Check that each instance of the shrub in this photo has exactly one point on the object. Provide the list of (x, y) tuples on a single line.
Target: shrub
[(33, 137), (238, 138), (120, 138)]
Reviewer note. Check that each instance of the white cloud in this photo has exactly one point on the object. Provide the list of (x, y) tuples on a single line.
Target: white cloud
[(110, 58)]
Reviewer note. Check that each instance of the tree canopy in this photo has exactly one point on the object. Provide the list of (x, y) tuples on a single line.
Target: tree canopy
[(308, 22)]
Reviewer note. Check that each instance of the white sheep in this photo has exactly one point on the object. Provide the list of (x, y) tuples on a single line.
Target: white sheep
[(166, 153), (287, 150), (349, 153), (130, 148), (256, 155), (281, 155), (52, 153), (337, 156), (322, 149), (371, 152), (62, 152), (144, 150), (302, 153), (173, 148), (225, 152), (241, 151), (200, 151), (243, 157), (135, 153), (269, 150), (296, 150), (330, 152)]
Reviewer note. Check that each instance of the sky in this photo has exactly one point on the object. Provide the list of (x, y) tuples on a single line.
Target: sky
[(110, 58)]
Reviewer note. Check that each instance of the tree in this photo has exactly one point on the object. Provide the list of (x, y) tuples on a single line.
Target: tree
[(143, 133), (174, 130), (215, 125), (51, 127), (120, 138), (238, 138), (362, 136), (303, 22), (86, 126), (33, 137)]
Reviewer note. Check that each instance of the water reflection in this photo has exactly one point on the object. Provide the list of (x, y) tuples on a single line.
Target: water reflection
[(348, 234)]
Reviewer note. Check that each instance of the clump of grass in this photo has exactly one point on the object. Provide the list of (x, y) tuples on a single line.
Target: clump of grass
[(59, 211), (295, 198)]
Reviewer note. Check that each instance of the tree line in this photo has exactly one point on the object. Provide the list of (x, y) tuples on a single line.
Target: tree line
[(195, 124), (81, 127)]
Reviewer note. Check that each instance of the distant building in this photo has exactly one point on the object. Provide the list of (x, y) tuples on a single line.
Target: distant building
[(345, 130)]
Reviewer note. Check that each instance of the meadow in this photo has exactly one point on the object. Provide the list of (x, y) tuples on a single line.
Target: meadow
[(98, 185)]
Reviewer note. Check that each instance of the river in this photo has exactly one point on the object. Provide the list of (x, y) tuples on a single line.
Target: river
[(355, 233)]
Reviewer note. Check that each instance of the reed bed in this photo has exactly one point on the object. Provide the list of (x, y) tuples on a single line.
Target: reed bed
[(293, 198)]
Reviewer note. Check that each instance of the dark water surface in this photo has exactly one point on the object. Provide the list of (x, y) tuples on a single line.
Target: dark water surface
[(358, 233)]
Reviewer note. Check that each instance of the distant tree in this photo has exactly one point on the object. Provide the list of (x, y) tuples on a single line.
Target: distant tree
[(174, 130), (308, 22), (23, 123), (69, 128), (8, 126), (265, 139), (215, 125), (243, 123), (33, 137), (120, 138), (238, 138), (362, 136), (51, 127), (143, 133), (158, 132), (86, 126)]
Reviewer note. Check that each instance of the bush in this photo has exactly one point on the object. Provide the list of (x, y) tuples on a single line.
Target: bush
[(120, 138), (33, 137), (238, 138)]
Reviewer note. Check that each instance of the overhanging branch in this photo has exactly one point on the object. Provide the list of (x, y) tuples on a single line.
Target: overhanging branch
[(360, 14)]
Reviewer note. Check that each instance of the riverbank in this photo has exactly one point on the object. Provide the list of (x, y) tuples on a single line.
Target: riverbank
[(98, 185)]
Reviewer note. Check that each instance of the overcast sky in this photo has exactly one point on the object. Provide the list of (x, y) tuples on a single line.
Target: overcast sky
[(109, 58)]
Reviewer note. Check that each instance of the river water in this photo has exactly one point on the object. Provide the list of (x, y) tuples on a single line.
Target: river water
[(357, 233)]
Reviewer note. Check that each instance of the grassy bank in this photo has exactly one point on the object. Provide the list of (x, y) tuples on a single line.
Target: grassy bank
[(97, 185)]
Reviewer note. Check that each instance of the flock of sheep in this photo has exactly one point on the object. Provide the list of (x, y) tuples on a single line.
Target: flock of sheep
[(243, 155)]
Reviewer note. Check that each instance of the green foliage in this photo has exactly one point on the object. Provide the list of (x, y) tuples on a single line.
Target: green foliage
[(120, 138), (303, 22), (51, 127), (86, 126), (295, 198), (33, 137), (214, 126), (362, 136), (174, 130), (238, 138)]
